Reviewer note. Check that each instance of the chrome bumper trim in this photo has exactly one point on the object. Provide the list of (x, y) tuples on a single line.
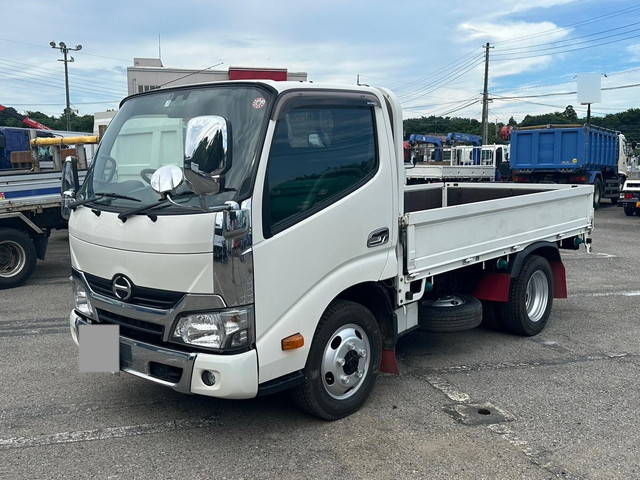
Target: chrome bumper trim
[(135, 357)]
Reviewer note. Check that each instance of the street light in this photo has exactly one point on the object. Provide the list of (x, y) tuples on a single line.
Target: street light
[(65, 52)]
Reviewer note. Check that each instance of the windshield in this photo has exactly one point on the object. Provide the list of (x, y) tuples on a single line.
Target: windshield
[(149, 132)]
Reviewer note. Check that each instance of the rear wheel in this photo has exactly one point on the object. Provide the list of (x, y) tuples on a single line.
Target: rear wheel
[(629, 211), (343, 362), (530, 299), (17, 257), (597, 193)]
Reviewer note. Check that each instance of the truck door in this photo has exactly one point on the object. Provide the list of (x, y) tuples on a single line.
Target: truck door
[(326, 218)]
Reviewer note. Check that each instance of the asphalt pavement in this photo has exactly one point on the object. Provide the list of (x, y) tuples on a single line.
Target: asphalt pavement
[(473, 405)]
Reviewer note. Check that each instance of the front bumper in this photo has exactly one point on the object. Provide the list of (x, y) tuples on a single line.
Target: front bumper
[(236, 375), (629, 202)]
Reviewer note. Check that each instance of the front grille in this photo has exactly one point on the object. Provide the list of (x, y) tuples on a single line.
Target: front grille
[(143, 296), (133, 328)]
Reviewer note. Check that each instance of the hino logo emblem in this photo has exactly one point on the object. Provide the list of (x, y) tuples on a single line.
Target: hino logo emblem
[(122, 287)]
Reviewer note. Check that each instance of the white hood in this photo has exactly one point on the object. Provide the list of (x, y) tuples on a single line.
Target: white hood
[(172, 253)]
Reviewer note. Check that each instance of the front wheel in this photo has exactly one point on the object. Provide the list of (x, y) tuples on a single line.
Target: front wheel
[(17, 257), (343, 362), (530, 299)]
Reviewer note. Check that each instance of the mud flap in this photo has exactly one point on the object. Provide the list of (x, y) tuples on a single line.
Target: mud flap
[(388, 362)]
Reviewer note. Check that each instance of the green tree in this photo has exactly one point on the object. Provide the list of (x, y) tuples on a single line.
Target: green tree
[(570, 114)]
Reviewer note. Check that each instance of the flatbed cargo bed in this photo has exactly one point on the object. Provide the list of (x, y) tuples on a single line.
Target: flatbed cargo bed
[(447, 226)]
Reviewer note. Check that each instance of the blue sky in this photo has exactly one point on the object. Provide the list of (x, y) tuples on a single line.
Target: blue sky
[(427, 51)]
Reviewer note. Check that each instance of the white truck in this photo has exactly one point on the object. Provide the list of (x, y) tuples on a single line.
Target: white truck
[(459, 163), (253, 236), (30, 208)]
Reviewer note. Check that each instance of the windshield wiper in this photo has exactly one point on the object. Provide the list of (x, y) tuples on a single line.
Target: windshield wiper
[(165, 202), (143, 209), (98, 196)]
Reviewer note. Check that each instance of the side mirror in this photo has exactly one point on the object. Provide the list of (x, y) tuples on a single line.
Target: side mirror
[(207, 145), (167, 178), (69, 185)]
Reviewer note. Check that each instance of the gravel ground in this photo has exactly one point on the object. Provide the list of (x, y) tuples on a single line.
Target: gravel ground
[(569, 397)]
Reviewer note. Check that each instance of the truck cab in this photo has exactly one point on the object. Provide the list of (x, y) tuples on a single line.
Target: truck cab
[(248, 237)]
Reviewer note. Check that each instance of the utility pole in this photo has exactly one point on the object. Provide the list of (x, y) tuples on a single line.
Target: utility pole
[(66, 59), (485, 97)]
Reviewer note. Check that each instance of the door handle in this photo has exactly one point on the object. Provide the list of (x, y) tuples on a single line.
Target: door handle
[(378, 237)]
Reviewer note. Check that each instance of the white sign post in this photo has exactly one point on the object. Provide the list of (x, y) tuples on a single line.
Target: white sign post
[(589, 90)]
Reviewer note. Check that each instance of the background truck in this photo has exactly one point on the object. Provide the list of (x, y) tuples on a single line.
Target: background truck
[(456, 157), (571, 154), (272, 243), (630, 197), (30, 204)]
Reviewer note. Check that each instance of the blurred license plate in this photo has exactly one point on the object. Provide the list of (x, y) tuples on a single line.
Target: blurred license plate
[(637, 204), (99, 348)]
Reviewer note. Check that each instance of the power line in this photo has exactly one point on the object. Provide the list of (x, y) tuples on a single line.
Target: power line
[(557, 83), (457, 109), (36, 69), (43, 81), (425, 106), (564, 27), (444, 68), (21, 75), (437, 84), (42, 46), (558, 94), (566, 51), (445, 114), (439, 78), (533, 50), (58, 104), (547, 105), (574, 38)]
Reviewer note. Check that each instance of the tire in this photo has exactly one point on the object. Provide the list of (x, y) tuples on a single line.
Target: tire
[(614, 200), (528, 317), (453, 313), (597, 193), (17, 257), (629, 211), (343, 362)]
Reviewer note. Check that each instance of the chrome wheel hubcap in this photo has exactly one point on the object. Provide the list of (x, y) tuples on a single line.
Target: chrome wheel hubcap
[(12, 258), (345, 361), (537, 296)]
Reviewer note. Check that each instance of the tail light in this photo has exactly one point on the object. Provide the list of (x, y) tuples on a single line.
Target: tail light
[(628, 195), (578, 179)]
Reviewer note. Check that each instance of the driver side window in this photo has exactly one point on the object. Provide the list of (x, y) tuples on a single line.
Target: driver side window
[(319, 154)]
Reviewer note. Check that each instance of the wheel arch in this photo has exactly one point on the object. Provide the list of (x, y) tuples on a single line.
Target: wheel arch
[(551, 253), (548, 250), (376, 297)]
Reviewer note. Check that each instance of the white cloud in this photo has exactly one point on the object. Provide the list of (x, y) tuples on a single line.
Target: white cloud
[(634, 50), (504, 31), (524, 5)]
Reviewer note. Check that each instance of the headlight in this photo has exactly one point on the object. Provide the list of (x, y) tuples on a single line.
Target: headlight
[(231, 328), (82, 303)]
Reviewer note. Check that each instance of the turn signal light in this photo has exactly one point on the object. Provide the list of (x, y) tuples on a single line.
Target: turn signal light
[(292, 342)]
